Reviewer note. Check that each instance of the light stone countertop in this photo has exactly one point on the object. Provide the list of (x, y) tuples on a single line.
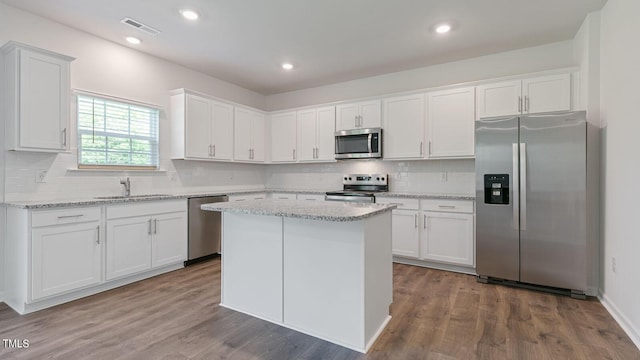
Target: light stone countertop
[(67, 202), (310, 210)]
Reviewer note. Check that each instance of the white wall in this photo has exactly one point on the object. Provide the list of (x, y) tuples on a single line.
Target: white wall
[(620, 76), (534, 59), (105, 67)]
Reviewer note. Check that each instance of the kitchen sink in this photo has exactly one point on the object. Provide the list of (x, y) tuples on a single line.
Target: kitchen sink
[(116, 197)]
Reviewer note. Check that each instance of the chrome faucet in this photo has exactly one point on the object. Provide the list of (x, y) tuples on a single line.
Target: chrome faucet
[(127, 186)]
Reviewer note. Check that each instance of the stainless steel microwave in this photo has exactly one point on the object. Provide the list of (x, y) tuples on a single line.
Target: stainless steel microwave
[(359, 143)]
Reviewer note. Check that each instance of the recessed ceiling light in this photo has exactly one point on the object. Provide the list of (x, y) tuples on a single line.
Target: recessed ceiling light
[(443, 28), (133, 40), (189, 14), (287, 66)]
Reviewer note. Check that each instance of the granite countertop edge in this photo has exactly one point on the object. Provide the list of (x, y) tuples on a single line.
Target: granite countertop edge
[(46, 204), (341, 213)]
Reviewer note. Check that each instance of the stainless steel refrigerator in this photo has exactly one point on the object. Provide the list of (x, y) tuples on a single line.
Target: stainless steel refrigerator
[(531, 200)]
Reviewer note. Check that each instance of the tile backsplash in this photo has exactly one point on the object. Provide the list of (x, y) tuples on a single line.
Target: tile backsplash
[(432, 176), (62, 180)]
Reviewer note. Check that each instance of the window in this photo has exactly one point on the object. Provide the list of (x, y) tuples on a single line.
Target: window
[(116, 134)]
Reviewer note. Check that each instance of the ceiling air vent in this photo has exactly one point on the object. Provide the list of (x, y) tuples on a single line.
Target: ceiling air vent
[(140, 26)]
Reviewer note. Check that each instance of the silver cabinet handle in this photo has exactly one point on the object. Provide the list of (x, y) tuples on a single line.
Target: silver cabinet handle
[(213, 147), (519, 104), (98, 233), (294, 154), (149, 230), (209, 150), (429, 148), (526, 103), (421, 151), (64, 137), (523, 186), (249, 153), (514, 185), (155, 226), (447, 206), (69, 216), (424, 221), (415, 221), (356, 121)]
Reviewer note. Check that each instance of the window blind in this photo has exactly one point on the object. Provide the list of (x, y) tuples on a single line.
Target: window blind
[(116, 134)]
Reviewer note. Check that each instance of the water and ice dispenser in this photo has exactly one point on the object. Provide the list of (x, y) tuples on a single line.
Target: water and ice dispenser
[(496, 189)]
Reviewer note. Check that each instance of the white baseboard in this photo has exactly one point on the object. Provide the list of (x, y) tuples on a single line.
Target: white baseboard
[(621, 319), (435, 265)]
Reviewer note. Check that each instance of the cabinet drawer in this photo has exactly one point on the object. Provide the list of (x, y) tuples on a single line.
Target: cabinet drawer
[(146, 208), (403, 203), (444, 205), (283, 196), (64, 216)]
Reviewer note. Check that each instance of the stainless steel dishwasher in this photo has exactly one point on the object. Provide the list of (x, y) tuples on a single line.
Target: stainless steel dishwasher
[(204, 229)]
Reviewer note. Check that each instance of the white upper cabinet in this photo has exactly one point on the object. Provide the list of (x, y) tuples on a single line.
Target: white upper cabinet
[(451, 122), (366, 114), (37, 98), (201, 128), (249, 133), (283, 137), (528, 96), (316, 128), (403, 134)]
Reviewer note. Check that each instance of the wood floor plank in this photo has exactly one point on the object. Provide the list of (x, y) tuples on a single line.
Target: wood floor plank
[(436, 315)]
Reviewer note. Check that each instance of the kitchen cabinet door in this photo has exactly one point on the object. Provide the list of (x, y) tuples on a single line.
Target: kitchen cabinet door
[(405, 233), (283, 137), (128, 246), (370, 114), (347, 116), (306, 135), (451, 123), (37, 97), (198, 127), (403, 135), (222, 137), (499, 99), (325, 134), (242, 135), (65, 257), (448, 238), (258, 133), (547, 93), (169, 239)]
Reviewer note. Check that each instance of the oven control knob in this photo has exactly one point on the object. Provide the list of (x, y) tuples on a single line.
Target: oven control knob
[(378, 178), (349, 178), (345, 178), (382, 179)]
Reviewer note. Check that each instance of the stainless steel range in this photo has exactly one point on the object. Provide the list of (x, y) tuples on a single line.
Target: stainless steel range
[(360, 188)]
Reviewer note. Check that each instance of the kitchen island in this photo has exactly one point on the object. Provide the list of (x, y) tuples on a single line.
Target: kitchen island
[(321, 268)]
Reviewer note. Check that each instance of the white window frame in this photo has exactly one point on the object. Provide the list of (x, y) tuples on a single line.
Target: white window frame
[(153, 137)]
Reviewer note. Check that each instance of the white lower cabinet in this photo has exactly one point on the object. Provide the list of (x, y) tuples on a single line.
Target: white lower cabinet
[(145, 236), (65, 252), (447, 237), (433, 230), (405, 233)]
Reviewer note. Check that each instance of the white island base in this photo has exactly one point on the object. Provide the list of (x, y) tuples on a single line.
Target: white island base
[(328, 279)]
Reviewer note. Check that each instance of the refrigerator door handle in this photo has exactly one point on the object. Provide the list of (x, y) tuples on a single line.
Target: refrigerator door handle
[(523, 185), (514, 186)]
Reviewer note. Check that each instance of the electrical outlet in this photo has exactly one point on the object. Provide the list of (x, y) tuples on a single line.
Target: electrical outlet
[(41, 176), (613, 264)]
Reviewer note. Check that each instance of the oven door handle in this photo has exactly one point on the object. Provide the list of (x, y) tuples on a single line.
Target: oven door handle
[(369, 138), (361, 199)]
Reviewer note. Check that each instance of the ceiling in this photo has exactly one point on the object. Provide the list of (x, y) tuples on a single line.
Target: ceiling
[(328, 41)]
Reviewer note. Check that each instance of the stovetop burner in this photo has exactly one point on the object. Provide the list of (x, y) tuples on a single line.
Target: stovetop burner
[(360, 186)]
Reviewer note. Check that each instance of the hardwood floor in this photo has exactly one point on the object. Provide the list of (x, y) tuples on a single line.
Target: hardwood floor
[(436, 315)]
